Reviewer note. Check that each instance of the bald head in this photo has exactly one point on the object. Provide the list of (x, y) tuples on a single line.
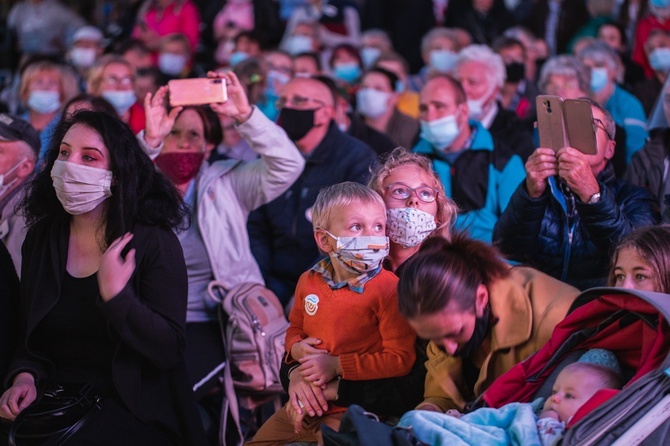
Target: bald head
[(312, 89)]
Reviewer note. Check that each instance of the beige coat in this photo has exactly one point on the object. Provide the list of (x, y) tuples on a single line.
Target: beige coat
[(528, 304)]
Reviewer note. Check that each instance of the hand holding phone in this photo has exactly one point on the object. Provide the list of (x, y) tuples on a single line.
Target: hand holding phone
[(237, 106), (566, 123)]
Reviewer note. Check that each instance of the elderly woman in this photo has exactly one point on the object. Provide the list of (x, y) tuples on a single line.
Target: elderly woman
[(417, 209), (113, 78), (480, 315), (625, 108)]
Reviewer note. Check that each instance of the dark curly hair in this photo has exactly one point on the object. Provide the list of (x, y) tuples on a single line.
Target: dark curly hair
[(140, 194)]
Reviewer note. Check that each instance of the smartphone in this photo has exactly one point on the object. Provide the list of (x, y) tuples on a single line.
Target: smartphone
[(550, 122), (197, 91), (579, 125)]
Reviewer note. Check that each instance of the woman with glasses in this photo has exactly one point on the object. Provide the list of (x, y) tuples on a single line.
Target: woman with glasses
[(113, 78), (417, 209)]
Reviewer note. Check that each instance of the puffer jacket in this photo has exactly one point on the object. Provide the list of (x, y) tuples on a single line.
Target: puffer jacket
[(648, 168), (536, 231)]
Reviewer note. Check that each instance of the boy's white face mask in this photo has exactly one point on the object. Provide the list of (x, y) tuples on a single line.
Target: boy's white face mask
[(360, 254)]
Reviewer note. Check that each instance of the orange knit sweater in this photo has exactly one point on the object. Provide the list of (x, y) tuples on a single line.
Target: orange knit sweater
[(364, 329)]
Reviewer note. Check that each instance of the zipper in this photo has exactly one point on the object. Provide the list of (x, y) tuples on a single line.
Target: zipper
[(255, 322)]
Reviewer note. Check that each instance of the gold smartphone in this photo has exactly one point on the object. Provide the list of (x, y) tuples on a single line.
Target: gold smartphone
[(197, 91), (550, 122), (579, 125)]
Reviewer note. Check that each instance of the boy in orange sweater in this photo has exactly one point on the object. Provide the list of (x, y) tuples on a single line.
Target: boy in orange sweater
[(345, 320)]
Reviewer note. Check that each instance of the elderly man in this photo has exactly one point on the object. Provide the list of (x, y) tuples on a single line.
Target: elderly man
[(19, 147), (438, 50), (478, 178), (281, 231), (572, 211), (626, 109), (482, 75)]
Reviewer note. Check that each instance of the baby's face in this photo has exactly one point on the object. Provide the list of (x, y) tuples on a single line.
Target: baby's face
[(571, 390)]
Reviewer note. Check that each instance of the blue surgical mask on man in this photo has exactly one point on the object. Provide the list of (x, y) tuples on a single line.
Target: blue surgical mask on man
[(298, 44), (598, 79), (440, 132), (369, 55), (659, 59)]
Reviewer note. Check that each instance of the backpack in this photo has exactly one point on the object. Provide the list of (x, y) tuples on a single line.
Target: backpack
[(254, 336), (253, 329)]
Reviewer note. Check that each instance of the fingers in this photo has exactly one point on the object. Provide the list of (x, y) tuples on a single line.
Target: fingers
[(172, 116), (312, 341), (117, 245)]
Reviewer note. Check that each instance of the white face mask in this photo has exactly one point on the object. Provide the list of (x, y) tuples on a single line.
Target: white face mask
[(4, 185), (440, 132), (476, 106), (409, 226), (298, 44), (372, 103), (82, 57), (360, 254), (80, 189), (121, 100), (171, 64)]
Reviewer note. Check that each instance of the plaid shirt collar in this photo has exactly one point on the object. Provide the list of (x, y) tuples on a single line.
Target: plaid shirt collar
[(355, 284)]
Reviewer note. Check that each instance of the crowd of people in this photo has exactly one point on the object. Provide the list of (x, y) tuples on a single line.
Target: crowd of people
[(376, 166)]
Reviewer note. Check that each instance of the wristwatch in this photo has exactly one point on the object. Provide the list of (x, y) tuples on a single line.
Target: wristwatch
[(594, 198)]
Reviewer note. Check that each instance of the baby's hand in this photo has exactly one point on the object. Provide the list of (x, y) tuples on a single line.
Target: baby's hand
[(306, 347), (319, 369), (454, 413)]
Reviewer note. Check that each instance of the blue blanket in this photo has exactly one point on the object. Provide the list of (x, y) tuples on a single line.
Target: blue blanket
[(512, 424)]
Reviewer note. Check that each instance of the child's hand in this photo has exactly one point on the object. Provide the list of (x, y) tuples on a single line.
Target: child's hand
[(454, 413), (319, 369), (305, 347)]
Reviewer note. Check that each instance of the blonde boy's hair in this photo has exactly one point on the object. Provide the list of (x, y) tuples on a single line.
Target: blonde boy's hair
[(341, 195)]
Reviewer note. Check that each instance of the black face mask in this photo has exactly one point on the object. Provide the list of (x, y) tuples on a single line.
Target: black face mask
[(482, 325), (516, 71), (296, 123)]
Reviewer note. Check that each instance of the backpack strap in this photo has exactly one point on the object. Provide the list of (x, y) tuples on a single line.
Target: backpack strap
[(229, 405)]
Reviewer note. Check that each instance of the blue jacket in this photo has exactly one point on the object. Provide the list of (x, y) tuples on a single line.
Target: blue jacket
[(480, 181), (537, 231), (280, 233), (628, 113)]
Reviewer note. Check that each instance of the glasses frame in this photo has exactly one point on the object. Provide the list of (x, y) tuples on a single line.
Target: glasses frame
[(412, 191), (300, 103)]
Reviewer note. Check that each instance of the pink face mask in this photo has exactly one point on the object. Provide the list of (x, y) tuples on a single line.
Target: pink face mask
[(80, 189)]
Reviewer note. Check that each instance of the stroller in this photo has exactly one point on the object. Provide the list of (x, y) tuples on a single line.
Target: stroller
[(634, 326)]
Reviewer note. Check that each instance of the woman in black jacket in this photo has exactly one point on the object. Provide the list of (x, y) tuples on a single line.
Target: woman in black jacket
[(103, 296)]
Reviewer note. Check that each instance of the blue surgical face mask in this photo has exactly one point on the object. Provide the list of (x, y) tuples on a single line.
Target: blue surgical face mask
[(659, 59), (347, 72), (369, 55), (440, 132), (121, 100), (298, 44), (44, 101), (276, 80), (660, 3), (237, 57), (171, 64), (372, 103), (598, 79), (442, 60)]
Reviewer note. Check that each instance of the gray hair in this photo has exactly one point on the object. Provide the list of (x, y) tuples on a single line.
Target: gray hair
[(566, 66), (600, 52), (495, 68), (436, 33), (379, 34)]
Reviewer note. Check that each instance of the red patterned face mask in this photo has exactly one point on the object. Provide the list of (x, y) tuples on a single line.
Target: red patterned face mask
[(180, 167)]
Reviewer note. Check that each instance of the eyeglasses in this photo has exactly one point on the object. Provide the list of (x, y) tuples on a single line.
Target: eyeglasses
[(125, 81), (401, 191), (555, 88), (297, 101), (598, 124)]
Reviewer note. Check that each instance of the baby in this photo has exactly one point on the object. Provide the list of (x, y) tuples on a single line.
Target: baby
[(574, 386), (597, 369)]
